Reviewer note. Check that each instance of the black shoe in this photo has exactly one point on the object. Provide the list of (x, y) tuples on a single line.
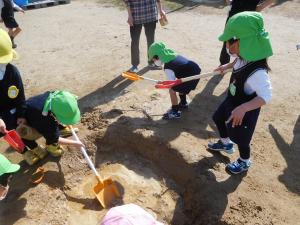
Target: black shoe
[(183, 106), (13, 43)]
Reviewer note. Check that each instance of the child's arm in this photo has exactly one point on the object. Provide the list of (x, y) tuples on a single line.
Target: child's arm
[(264, 4), (20, 99), (70, 142), (260, 83), (225, 66)]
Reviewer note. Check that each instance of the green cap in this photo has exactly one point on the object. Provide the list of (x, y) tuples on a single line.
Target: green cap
[(165, 54), (64, 106), (6, 166), (254, 41)]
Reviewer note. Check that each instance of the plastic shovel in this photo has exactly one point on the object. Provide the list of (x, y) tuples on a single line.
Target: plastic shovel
[(172, 83), (14, 140), (135, 77), (106, 190)]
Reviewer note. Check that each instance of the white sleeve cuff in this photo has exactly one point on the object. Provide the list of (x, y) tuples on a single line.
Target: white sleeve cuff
[(170, 74)]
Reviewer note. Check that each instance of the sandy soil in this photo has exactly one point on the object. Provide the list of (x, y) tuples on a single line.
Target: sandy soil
[(162, 166)]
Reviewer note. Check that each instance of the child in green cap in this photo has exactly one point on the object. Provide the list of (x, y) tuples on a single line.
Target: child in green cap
[(175, 67), (6, 171), (249, 89), (46, 112)]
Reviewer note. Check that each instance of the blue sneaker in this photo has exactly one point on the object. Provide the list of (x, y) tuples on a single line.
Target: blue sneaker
[(238, 166), (219, 146), (133, 69), (172, 114)]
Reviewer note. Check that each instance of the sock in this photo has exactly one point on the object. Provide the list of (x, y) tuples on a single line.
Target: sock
[(175, 108), (245, 160), (226, 141), (182, 98)]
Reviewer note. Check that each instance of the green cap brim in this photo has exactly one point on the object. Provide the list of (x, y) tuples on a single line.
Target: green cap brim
[(69, 121), (13, 168), (225, 37)]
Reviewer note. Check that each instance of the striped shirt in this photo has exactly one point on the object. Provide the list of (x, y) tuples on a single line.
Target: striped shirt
[(143, 11)]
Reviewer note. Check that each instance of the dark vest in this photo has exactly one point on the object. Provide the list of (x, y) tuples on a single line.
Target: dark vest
[(7, 9), (183, 67), (238, 79)]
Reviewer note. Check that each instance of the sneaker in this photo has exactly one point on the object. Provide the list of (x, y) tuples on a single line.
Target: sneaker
[(238, 166), (219, 146), (40, 152), (66, 131), (172, 114), (183, 106), (30, 157), (133, 69), (152, 66), (55, 150)]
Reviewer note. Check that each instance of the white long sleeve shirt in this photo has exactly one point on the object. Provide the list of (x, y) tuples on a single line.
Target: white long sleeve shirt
[(258, 82)]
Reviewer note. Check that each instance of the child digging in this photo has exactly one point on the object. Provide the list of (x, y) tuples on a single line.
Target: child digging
[(249, 89), (175, 67), (7, 15), (45, 113)]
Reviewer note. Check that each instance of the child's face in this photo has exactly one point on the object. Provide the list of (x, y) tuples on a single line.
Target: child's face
[(157, 61)]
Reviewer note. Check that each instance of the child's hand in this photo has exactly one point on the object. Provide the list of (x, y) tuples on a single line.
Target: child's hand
[(2, 126), (237, 116), (79, 144), (22, 11), (221, 69)]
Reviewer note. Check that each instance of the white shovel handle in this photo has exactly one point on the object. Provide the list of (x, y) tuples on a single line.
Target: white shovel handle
[(204, 75), (149, 79), (89, 161)]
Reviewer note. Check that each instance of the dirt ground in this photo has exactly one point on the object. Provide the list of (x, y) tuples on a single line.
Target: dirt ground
[(162, 166)]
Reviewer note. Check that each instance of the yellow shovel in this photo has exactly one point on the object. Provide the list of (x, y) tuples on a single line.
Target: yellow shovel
[(134, 77), (106, 190)]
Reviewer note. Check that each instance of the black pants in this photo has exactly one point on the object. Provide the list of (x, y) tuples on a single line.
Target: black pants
[(45, 125), (135, 33), (241, 135), (224, 57), (10, 121)]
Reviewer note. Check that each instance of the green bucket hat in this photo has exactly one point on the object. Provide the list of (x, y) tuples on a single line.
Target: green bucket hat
[(165, 54), (254, 41), (6, 166), (64, 106)]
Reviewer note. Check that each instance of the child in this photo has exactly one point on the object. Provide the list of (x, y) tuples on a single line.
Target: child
[(12, 97), (7, 15), (175, 67), (46, 112), (6, 170), (249, 88), (237, 6)]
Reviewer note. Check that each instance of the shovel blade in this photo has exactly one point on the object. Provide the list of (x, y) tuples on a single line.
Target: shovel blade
[(130, 76), (14, 140), (106, 192)]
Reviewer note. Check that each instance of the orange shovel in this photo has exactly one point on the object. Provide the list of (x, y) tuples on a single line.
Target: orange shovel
[(106, 190), (14, 140)]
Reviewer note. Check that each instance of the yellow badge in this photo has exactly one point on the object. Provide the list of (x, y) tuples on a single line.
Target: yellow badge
[(13, 92)]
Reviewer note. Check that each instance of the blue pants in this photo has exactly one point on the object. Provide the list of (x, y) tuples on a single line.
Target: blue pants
[(241, 135)]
